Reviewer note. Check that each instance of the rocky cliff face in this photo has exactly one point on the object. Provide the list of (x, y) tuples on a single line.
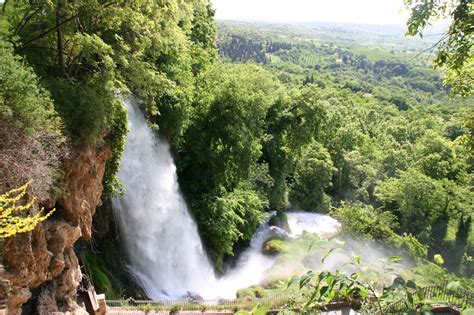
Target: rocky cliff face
[(44, 259)]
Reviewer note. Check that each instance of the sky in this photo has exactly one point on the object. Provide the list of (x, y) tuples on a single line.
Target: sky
[(385, 12)]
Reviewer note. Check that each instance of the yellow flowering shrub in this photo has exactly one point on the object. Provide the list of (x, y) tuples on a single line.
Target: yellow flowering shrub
[(14, 218)]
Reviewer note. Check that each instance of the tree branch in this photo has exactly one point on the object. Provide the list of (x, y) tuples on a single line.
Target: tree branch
[(24, 21), (432, 47), (52, 29), (55, 28)]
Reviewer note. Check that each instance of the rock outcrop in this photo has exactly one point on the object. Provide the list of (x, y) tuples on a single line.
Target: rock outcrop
[(45, 258)]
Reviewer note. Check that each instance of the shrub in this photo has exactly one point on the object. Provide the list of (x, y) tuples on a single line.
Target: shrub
[(31, 144), (14, 217), (22, 99)]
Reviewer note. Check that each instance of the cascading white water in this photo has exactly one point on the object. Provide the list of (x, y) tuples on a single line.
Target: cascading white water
[(315, 223), (161, 239)]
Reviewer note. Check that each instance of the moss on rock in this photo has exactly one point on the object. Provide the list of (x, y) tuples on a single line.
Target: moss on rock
[(273, 246)]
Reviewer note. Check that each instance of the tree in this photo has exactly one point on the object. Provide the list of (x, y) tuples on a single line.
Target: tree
[(230, 217), (87, 51), (12, 213), (293, 121), (366, 223), (224, 139), (219, 162), (455, 46), (416, 199), (313, 174)]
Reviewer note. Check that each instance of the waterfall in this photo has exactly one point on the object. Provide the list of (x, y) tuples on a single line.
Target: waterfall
[(161, 239)]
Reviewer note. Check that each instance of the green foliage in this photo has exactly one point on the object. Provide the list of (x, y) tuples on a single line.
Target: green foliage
[(230, 217), (97, 271), (31, 141), (368, 289), (455, 46), (116, 139), (251, 293), (224, 139), (293, 121), (87, 110), (352, 123), (22, 99), (316, 123), (224, 143), (416, 199), (313, 174), (363, 221)]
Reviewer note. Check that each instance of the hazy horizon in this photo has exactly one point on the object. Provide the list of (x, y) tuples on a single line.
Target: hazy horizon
[(387, 12)]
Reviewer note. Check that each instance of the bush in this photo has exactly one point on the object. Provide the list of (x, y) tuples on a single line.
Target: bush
[(250, 293), (31, 144), (12, 213), (22, 99)]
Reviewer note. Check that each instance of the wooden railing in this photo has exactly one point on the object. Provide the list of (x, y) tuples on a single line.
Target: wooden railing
[(436, 295), (190, 304)]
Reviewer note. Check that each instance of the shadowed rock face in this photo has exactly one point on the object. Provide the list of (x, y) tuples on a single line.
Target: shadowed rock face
[(45, 257)]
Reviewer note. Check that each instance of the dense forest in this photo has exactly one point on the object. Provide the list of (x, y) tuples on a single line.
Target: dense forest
[(258, 121)]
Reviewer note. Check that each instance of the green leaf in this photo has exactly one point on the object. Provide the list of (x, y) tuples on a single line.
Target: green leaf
[(306, 279), (323, 290), (260, 309), (293, 280), (326, 255)]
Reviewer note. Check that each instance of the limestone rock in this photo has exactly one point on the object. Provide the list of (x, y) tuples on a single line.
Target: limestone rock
[(45, 257), (84, 173)]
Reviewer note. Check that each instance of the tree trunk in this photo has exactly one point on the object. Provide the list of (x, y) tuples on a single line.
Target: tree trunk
[(59, 33)]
